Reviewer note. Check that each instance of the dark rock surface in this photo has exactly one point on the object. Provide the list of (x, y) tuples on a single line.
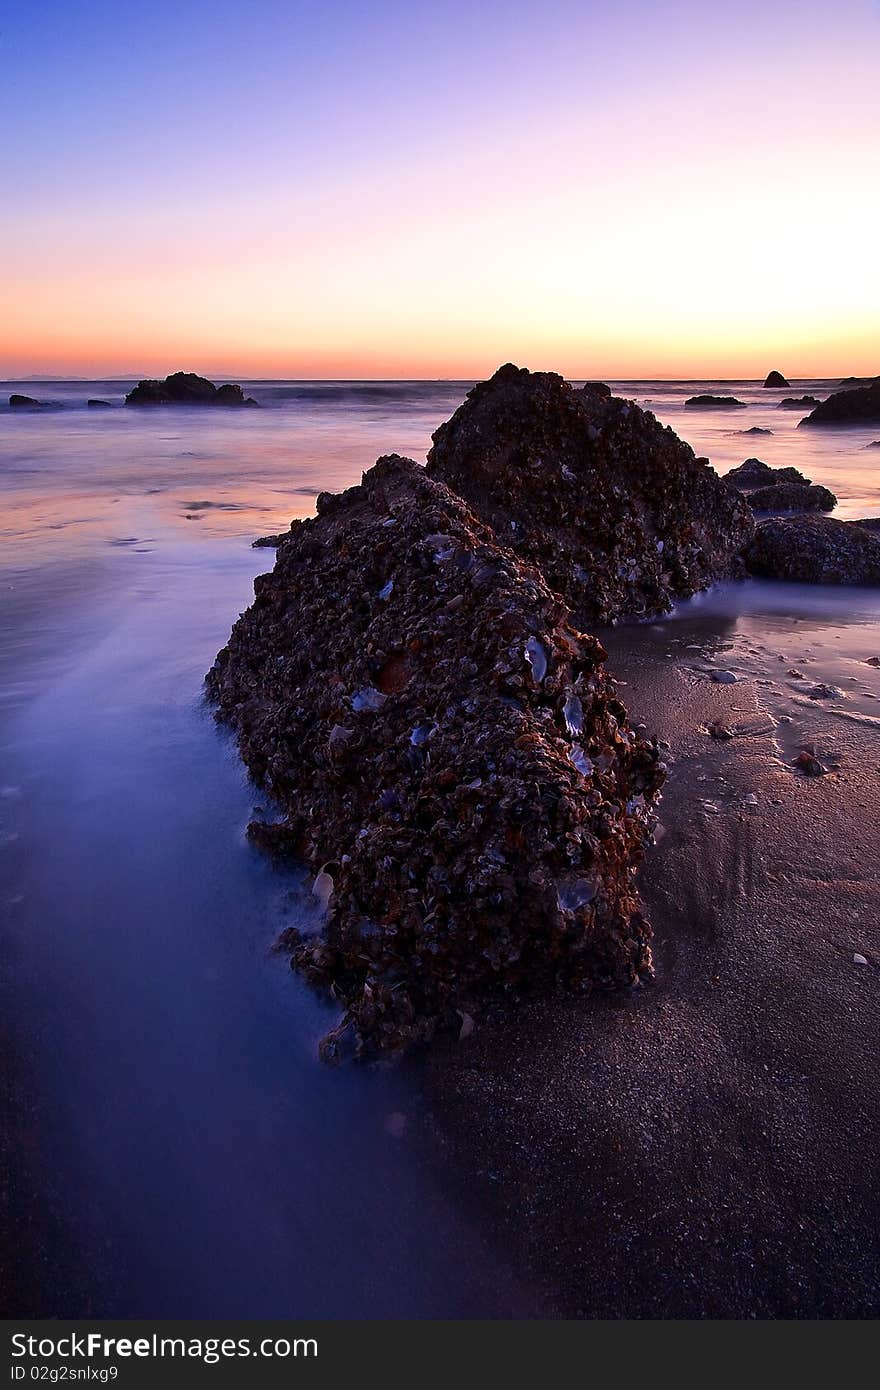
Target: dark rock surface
[(452, 759), (613, 508), (792, 497), (798, 403), (857, 407), (756, 429), (99, 405), (779, 489), (270, 542), (755, 473), (185, 388), (815, 550), (18, 402), (776, 379), (708, 402)]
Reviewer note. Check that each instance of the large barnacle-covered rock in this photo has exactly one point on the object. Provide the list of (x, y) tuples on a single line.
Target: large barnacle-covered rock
[(612, 507), (452, 759)]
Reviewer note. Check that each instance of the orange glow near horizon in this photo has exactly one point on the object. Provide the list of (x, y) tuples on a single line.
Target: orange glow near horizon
[(658, 216)]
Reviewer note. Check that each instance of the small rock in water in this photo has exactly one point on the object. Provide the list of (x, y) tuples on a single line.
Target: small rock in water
[(859, 959), (724, 677), (709, 402), (873, 661)]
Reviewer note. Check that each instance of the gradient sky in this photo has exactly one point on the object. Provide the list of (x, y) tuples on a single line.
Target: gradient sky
[(429, 189)]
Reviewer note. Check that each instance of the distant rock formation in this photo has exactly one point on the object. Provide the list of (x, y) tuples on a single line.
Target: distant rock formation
[(756, 429), (454, 764), (612, 507), (779, 489), (185, 388), (857, 407), (708, 402), (815, 550), (18, 402), (99, 405), (798, 403), (776, 379)]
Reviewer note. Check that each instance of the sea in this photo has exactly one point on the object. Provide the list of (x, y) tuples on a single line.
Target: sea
[(174, 1147)]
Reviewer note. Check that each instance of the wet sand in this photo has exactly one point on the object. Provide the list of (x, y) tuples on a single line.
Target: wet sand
[(705, 1147)]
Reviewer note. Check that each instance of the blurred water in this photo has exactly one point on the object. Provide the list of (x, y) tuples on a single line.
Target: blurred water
[(176, 1148)]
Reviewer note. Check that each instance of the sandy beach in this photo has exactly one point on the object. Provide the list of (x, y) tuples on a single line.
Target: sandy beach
[(701, 1147), (704, 1148)]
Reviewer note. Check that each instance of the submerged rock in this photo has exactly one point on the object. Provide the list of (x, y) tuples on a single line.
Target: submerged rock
[(611, 506), (776, 379), (99, 405), (858, 407), (707, 402), (756, 429), (185, 388), (792, 497), (815, 550), (755, 473), (452, 759), (18, 402), (798, 403), (779, 489)]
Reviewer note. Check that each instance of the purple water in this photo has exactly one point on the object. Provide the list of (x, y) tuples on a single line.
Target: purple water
[(176, 1146)]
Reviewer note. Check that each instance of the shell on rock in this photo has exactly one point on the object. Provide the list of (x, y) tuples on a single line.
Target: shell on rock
[(367, 699), (536, 656)]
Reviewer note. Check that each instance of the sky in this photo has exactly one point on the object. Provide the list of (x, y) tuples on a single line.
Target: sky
[(373, 188)]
